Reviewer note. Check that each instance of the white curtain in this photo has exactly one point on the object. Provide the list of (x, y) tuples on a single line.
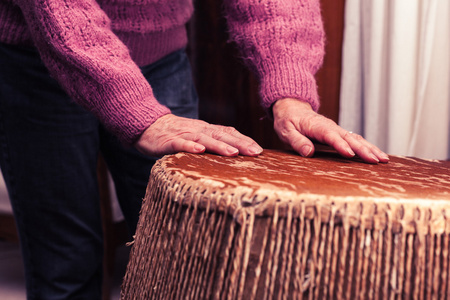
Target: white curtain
[(396, 75)]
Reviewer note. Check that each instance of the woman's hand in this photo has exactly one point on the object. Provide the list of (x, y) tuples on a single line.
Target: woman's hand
[(171, 134), (296, 123)]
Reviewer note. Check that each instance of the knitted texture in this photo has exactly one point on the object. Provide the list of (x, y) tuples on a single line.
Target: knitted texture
[(283, 42), (94, 48)]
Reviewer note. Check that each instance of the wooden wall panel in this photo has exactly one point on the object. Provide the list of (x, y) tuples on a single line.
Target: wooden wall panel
[(229, 92), (329, 76)]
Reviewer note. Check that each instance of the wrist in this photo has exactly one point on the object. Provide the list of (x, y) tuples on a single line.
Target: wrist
[(284, 104)]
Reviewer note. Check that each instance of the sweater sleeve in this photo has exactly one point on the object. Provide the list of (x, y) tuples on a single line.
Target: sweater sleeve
[(282, 41), (80, 50)]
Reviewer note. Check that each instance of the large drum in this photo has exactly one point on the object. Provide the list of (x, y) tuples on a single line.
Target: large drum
[(280, 226)]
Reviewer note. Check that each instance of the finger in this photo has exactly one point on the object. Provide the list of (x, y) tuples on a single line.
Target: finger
[(212, 145), (383, 157), (334, 139), (235, 133), (301, 144), (326, 132), (361, 147), (348, 144), (234, 138), (183, 145), (367, 151)]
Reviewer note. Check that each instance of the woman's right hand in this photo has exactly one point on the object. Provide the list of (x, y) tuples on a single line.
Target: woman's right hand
[(171, 134)]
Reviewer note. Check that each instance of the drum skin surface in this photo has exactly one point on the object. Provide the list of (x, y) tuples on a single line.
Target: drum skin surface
[(280, 226)]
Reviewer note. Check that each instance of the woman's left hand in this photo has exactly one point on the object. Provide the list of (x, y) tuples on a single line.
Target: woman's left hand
[(296, 123)]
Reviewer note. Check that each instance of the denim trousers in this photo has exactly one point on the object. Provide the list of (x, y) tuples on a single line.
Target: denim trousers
[(49, 152)]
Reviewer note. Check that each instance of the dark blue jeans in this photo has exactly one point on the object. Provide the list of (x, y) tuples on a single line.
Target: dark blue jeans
[(49, 150)]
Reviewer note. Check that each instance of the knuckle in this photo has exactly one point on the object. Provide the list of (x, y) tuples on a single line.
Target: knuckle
[(216, 134), (203, 124), (355, 136), (229, 129), (219, 131), (194, 136), (358, 137)]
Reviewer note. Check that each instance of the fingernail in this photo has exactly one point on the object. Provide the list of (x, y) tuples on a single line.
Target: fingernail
[(350, 151), (255, 149), (374, 157), (384, 156), (305, 150), (232, 150), (199, 148)]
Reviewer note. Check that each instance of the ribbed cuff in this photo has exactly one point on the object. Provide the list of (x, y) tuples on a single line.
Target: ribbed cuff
[(286, 78), (144, 116), (127, 107)]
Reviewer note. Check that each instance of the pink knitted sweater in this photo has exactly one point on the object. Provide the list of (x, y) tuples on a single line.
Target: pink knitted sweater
[(93, 48)]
